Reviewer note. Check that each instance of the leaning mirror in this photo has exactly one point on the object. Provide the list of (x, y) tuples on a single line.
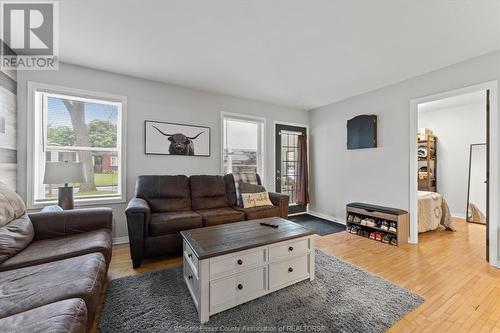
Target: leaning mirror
[(476, 190)]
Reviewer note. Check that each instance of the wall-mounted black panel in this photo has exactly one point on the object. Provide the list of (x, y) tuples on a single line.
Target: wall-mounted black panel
[(362, 132)]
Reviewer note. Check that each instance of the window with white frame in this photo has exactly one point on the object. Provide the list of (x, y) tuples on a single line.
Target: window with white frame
[(75, 126), (243, 142)]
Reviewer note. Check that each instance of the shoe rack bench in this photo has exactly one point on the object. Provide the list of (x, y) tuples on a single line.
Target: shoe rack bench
[(379, 213)]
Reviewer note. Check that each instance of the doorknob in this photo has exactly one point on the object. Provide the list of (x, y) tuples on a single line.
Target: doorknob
[(277, 178)]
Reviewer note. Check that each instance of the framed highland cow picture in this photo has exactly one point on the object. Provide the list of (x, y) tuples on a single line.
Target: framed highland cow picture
[(163, 138)]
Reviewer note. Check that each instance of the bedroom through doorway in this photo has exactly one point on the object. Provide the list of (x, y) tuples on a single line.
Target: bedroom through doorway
[(452, 164)]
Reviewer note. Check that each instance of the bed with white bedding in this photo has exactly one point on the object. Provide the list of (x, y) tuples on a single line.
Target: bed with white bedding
[(433, 211)]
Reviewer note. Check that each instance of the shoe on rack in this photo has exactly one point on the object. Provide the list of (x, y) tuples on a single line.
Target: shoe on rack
[(371, 223), (384, 225), (363, 221), (354, 230), (360, 232), (348, 229), (372, 235), (350, 218), (378, 236), (394, 241), (386, 239), (366, 234), (357, 219), (393, 227)]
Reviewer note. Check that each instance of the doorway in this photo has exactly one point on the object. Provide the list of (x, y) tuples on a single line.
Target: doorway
[(451, 143), (287, 161)]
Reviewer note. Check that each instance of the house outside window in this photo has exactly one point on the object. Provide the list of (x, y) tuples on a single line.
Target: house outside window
[(77, 126), (243, 144)]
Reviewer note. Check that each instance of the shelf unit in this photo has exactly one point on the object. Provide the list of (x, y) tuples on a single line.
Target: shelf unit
[(428, 183), (380, 213)]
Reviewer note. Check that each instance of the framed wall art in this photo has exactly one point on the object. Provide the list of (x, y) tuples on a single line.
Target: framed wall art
[(164, 138)]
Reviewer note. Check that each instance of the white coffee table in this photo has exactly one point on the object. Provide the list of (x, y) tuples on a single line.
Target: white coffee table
[(230, 264)]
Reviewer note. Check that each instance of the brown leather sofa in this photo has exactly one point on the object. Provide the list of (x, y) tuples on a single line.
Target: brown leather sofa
[(165, 205), (55, 283)]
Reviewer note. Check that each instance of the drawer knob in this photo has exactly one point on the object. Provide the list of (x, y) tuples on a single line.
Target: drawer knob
[(290, 248), (190, 255), (190, 277), (240, 286), (240, 262), (290, 269)]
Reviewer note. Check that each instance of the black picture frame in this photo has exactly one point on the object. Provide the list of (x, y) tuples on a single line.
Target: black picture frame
[(189, 127)]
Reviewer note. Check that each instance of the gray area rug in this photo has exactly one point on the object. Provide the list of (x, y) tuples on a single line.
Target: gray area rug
[(342, 298)]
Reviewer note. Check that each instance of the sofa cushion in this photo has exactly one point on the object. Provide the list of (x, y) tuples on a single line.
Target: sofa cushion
[(230, 190), (208, 192), (65, 316), (47, 250), (15, 236), (30, 287), (260, 212), (167, 223), (11, 205), (220, 216), (164, 193)]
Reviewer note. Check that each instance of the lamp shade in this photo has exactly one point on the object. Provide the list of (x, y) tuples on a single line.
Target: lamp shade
[(64, 172)]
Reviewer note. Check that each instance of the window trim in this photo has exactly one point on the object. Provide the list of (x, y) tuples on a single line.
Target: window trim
[(122, 132), (263, 139)]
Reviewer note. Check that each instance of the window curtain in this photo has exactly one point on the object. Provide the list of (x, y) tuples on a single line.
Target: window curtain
[(302, 185)]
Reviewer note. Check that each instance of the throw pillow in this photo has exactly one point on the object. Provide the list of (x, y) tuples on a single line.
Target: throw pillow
[(248, 188), (243, 177), (15, 236), (255, 199), (11, 205)]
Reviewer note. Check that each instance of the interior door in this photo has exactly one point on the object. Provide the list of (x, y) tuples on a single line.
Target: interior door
[(287, 161)]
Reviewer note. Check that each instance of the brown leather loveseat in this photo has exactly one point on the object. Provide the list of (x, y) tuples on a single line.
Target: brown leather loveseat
[(54, 284), (165, 205)]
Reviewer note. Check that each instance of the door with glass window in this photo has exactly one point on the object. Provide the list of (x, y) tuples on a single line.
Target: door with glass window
[(287, 163)]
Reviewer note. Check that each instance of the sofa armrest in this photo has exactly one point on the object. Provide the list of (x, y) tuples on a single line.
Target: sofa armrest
[(280, 200), (68, 222), (137, 206), (138, 213)]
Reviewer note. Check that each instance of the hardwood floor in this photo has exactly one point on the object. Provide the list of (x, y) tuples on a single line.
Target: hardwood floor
[(461, 291)]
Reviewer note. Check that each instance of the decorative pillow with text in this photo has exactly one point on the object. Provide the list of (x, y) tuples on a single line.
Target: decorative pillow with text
[(255, 199)]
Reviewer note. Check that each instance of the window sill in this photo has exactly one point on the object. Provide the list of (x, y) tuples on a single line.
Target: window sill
[(80, 202)]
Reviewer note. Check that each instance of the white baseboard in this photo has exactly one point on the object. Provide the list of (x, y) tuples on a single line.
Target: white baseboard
[(120, 240), (460, 216), (296, 214), (326, 217), (124, 239)]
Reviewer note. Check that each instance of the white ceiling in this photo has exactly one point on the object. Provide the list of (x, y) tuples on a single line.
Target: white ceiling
[(298, 53), (477, 98)]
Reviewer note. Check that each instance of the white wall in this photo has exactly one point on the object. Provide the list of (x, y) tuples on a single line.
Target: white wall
[(155, 101), (380, 175), (456, 127)]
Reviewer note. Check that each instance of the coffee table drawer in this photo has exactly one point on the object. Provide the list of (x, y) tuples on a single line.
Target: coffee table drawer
[(192, 282), (236, 289), (191, 257), (282, 273), (289, 249), (237, 261)]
